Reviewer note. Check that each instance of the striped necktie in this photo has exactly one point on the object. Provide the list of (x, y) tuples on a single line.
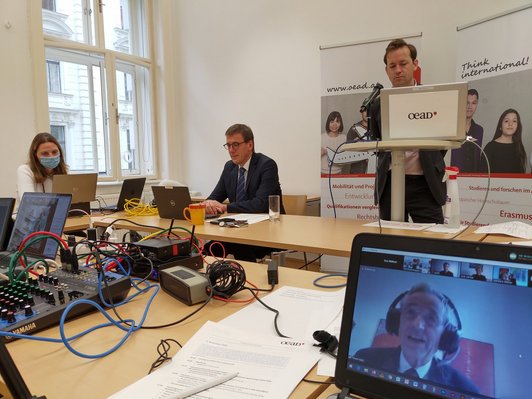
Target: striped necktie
[(241, 185)]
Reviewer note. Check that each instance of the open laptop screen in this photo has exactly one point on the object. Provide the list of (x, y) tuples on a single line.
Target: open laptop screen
[(6, 221), (436, 318), (40, 212)]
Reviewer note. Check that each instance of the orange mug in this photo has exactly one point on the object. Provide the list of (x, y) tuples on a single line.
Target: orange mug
[(196, 214)]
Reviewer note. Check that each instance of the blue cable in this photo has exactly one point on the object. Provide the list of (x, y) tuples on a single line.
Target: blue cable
[(66, 340), (132, 327), (315, 282)]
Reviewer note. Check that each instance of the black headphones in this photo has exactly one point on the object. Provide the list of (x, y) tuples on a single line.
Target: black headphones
[(450, 337)]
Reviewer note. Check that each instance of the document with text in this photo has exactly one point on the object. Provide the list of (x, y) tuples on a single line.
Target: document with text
[(268, 367)]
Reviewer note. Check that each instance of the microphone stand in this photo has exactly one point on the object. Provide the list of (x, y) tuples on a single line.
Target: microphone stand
[(12, 377)]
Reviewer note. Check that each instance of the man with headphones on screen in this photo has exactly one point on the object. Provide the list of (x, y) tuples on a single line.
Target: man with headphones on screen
[(420, 317)]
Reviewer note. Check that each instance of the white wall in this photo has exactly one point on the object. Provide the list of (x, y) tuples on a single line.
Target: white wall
[(17, 112), (256, 62)]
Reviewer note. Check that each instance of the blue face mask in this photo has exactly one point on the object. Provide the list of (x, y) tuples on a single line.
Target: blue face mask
[(49, 162)]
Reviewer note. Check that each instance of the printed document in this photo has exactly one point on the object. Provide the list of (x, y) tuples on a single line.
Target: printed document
[(268, 367), (301, 312)]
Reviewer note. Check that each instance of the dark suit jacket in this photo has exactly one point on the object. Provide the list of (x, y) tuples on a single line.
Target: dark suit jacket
[(262, 181), (388, 359), (431, 161)]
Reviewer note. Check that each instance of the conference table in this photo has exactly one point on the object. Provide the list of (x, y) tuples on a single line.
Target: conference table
[(324, 235), (50, 369)]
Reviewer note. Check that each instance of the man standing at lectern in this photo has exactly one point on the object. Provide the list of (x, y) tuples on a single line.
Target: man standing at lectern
[(424, 190)]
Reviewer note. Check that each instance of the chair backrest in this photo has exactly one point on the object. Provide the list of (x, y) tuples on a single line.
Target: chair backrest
[(295, 204)]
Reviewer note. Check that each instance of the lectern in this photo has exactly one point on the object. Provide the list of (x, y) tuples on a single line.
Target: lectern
[(398, 148)]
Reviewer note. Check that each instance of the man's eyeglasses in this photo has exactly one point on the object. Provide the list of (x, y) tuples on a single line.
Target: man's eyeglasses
[(234, 145)]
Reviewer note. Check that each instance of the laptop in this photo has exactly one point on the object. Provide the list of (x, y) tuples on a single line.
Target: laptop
[(460, 311), (131, 188), (424, 112), (171, 201), (38, 212), (6, 220), (82, 187)]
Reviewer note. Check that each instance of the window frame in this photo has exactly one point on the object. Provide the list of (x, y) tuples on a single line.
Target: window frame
[(111, 58)]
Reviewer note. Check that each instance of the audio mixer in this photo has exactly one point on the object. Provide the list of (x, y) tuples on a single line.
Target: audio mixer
[(36, 304)]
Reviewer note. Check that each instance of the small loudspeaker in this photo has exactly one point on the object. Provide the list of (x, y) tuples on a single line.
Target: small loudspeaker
[(184, 284)]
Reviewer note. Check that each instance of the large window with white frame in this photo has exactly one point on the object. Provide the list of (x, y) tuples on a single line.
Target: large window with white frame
[(100, 72)]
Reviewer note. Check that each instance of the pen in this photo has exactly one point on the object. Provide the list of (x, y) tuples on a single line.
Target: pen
[(206, 385)]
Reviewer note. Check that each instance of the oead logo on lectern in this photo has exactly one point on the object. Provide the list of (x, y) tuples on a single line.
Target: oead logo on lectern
[(422, 115)]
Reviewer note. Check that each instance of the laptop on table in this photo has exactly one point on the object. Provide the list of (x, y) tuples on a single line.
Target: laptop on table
[(131, 188), (37, 212), (82, 187), (172, 200), (460, 311), (6, 220)]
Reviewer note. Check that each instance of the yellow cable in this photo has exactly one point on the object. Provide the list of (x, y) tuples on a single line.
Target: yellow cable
[(154, 234), (134, 207)]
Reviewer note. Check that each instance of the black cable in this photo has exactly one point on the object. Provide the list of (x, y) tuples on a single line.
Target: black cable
[(182, 319), (132, 222), (229, 277), (318, 382), (311, 262), (226, 277), (270, 309), (163, 347)]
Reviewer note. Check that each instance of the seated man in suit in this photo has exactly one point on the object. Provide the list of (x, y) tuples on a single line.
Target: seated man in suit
[(246, 181), (422, 323)]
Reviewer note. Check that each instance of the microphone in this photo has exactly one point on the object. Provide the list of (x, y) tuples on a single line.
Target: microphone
[(376, 91), (327, 342)]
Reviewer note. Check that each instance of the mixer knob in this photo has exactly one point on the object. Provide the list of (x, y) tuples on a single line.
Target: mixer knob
[(28, 311)]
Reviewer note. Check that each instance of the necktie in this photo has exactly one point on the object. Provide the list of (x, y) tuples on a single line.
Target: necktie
[(241, 185), (412, 372)]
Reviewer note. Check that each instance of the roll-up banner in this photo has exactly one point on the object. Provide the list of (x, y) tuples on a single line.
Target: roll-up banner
[(495, 57)]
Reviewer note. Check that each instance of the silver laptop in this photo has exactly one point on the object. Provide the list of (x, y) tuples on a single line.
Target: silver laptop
[(424, 112), (82, 186)]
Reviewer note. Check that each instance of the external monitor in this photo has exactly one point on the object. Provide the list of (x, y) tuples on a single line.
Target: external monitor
[(434, 318), (424, 112)]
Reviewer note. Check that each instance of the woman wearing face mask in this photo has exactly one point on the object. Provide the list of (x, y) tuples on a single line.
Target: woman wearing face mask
[(45, 160)]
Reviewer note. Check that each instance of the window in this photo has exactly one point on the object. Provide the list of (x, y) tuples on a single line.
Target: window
[(100, 94), (53, 73), (48, 5), (59, 133)]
